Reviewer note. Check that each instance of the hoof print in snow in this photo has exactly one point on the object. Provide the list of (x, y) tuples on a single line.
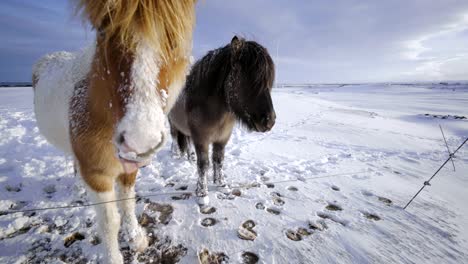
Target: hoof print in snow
[(222, 196), (73, 238), (270, 185), (18, 205), (335, 188), (292, 189), (146, 221), (205, 257), (276, 194), (260, 206), (207, 209), (170, 184), (49, 189), (372, 216), (385, 200), (160, 251), (294, 236), (89, 223), (397, 172), (208, 222), (278, 201), (303, 232), (95, 241), (236, 192), (75, 256), (61, 226), (182, 188), (246, 231), (184, 196), (254, 185), (333, 207), (10, 188), (249, 258), (18, 232), (332, 218), (320, 226), (165, 212), (273, 211)]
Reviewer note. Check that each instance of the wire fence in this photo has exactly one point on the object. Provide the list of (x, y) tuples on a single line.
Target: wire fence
[(450, 158), (240, 186)]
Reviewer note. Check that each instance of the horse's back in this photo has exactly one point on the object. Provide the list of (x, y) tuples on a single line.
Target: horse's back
[(54, 77)]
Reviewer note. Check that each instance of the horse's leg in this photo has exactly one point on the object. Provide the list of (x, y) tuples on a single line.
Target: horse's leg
[(101, 190), (132, 231), (202, 164), (218, 158), (175, 145), (181, 142), (191, 156)]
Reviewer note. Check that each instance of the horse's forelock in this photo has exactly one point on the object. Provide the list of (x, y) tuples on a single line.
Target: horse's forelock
[(258, 64), (166, 24)]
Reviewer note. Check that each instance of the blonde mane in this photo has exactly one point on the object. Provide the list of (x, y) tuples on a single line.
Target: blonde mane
[(166, 24)]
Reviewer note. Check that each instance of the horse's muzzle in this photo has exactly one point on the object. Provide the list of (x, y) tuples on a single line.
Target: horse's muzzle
[(266, 123), (130, 160)]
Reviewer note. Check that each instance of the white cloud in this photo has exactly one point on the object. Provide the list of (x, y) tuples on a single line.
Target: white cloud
[(437, 54)]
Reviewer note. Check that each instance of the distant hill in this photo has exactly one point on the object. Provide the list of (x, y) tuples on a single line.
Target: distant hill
[(15, 84)]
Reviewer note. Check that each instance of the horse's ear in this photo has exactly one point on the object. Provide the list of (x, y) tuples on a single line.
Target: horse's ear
[(236, 43)]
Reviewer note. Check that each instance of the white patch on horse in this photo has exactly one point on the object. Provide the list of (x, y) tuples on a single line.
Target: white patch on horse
[(109, 222), (131, 230), (57, 74), (143, 122)]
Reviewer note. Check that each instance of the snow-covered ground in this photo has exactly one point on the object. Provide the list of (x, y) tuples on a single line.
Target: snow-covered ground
[(377, 137)]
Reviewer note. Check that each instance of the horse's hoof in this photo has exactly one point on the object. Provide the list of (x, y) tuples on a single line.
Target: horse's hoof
[(113, 258), (223, 188), (140, 242), (192, 157), (219, 181), (203, 200)]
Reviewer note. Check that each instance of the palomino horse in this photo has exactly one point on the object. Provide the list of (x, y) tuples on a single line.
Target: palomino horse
[(107, 105), (228, 84)]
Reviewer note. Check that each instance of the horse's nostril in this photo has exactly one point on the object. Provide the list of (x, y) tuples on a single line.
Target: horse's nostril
[(121, 138), (269, 120)]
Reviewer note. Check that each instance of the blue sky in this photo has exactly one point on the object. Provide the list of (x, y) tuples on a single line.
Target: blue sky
[(310, 41)]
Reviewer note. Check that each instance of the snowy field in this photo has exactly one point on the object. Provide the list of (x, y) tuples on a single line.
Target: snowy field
[(376, 139)]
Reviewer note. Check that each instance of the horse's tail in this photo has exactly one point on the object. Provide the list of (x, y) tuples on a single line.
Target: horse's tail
[(182, 142), (179, 138)]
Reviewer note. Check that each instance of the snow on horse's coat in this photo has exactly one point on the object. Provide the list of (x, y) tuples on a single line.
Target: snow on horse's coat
[(59, 72)]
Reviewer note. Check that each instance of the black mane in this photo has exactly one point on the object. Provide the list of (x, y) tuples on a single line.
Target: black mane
[(212, 71)]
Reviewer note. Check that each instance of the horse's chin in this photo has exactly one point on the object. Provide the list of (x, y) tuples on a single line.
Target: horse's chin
[(248, 124), (130, 166), (253, 126)]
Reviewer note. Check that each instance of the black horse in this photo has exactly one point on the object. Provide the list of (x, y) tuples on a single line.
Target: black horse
[(228, 84)]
